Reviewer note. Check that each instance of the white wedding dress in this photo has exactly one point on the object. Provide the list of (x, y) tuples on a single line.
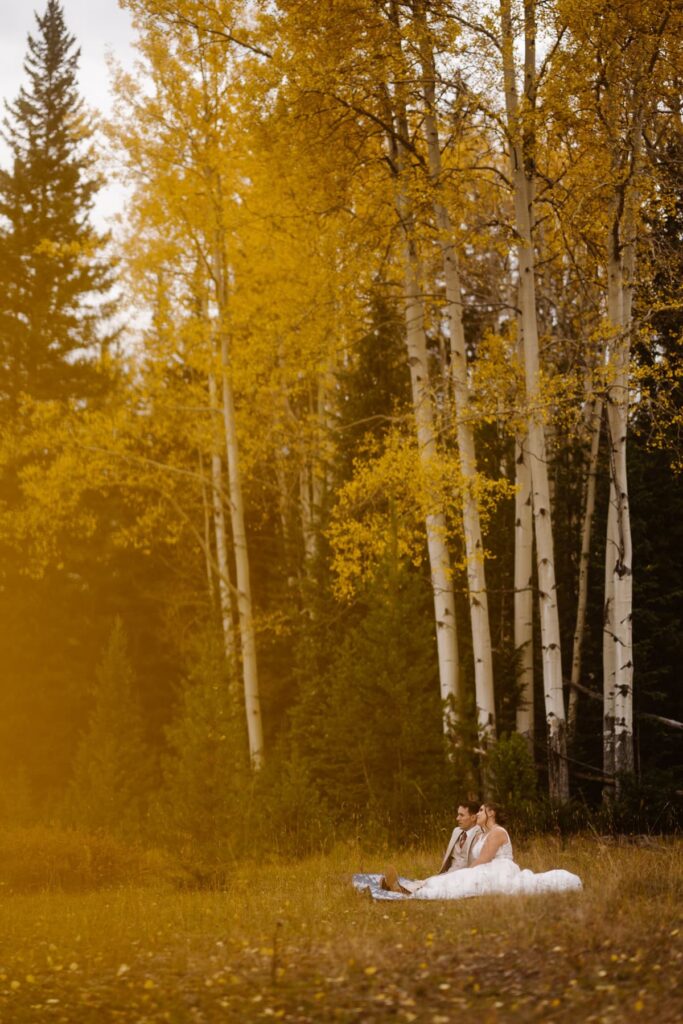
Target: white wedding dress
[(500, 876)]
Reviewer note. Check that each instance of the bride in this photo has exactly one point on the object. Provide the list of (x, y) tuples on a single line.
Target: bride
[(492, 871)]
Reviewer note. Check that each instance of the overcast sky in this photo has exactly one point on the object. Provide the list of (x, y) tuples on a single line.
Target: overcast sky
[(100, 26)]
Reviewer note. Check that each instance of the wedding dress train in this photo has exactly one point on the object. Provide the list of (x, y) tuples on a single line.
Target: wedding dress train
[(500, 876)]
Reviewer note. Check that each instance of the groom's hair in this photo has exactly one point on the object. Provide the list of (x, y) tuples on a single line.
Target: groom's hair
[(471, 805)]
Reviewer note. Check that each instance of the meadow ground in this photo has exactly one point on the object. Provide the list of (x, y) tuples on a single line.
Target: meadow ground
[(295, 942)]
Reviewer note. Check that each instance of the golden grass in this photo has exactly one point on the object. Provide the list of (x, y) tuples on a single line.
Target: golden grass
[(294, 942)]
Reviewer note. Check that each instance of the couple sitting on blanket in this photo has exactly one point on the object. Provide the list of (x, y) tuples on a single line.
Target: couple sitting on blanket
[(478, 860)]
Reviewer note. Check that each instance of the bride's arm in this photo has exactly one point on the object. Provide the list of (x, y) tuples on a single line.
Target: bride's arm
[(493, 842)]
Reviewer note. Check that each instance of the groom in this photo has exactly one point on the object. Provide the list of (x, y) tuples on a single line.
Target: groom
[(457, 853)]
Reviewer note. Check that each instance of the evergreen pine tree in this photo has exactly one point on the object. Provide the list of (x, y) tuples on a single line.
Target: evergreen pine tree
[(375, 388), (113, 772), (55, 309), (206, 773), (55, 276), (368, 731)]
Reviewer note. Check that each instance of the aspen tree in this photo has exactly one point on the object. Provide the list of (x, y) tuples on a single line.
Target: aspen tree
[(295, 303), (219, 529), (609, 650), (439, 557), (474, 545), (374, 42), (619, 546), (523, 614), (622, 50), (245, 610), (595, 424), (208, 544), (217, 492), (435, 523), (521, 163), (192, 108)]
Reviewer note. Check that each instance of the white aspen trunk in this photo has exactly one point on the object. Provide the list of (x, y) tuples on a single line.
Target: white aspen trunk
[(220, 534), (584, 565), (439, 557), (423, 412), (608, 652), (524, 593), (621, 556), (551, 654), (239, 538), (474, 545), (245, 611)]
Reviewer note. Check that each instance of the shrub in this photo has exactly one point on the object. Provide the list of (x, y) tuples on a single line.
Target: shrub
[(511, 780), (16, 798), (650, 803), (290, 817), (52, 857)]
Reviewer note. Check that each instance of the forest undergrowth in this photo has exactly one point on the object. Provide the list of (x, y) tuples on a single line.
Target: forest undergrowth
[(294, 942)]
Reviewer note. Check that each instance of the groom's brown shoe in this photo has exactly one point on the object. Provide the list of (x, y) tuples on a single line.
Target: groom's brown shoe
[(390, 882)]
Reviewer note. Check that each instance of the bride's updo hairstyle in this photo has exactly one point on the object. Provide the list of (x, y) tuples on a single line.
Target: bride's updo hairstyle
[(497, 810)]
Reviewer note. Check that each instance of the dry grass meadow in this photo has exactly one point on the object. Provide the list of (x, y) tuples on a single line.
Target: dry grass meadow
[(294, 942)]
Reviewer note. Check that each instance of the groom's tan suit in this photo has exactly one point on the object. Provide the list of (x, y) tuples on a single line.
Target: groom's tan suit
[(458, 851)]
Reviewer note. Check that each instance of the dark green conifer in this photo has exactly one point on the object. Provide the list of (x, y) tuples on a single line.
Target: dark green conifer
[(375, 389), (113, 771), (204, 802), (56, 278), (369, 731)]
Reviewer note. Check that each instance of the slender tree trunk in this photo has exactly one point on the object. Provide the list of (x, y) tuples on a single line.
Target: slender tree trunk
[(220, 533), (439, 558), (551, 654), (208, 546), (280, 471), (244, 600), (474, 546), (524, 581), (584, 564), (621, 257), (620, 553), (608, 652), (237, 517), (217, 509), (308, 490), (285, 481), (314, 472), (423, 412), (327, 389), (308, 511), (524, 593)]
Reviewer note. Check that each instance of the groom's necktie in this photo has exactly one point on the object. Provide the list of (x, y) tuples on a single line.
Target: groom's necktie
[(462, 839)]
